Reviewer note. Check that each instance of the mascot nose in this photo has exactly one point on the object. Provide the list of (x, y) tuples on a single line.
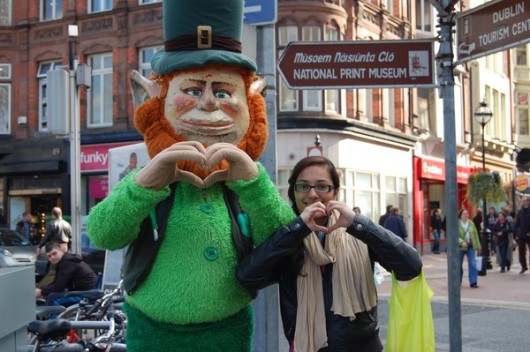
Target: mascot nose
[(208, 102)]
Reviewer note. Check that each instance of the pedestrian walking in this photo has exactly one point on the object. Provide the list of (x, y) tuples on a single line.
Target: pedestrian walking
[(396, 224), (469, 243), (501, 232), (522, 224), (436, 229)]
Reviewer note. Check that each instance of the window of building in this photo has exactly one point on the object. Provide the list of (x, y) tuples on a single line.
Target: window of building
[(424, 16), (521, 58), (5, 98), (5, 12), (361, 189), (523, 112), (99, 5), (283, 182), (369, 104), (331, 96), (426, 109), (146, 54), (100, 93), (288, 98), (51, 10), (44, 67), (389, 4), (396, 194), (142, 2), (312, 98)]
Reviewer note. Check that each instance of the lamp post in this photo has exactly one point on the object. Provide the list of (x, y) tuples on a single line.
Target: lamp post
[(483, 115)]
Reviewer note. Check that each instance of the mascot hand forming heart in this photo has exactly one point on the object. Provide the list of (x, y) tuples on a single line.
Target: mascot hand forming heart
[(204, 125)]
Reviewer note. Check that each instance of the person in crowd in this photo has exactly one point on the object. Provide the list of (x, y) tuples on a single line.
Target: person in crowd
[(2, 217), (522, 224), (323, 262), (502, 231), (477, 221), (492, 220), (396, 224), (383, 217), (57, 230), (26, 227), (71, 273), (357, 210), (436, 229), (469, 243)]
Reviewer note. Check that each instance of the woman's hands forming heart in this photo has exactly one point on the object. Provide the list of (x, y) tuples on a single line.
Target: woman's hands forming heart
[(317, 211)]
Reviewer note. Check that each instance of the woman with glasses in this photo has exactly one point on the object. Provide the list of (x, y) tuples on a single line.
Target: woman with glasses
[(323, 262)]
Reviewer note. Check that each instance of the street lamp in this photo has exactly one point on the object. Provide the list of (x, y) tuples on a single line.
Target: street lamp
[(483, 115)]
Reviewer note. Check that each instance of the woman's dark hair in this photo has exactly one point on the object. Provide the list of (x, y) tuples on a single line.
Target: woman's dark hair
[(305, 163), (460, 213)]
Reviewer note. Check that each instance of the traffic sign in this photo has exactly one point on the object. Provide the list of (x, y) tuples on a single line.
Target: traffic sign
[(260, 12), (495, 26), (357, 64)]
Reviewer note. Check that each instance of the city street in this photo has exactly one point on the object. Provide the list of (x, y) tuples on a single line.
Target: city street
[(494, 316)]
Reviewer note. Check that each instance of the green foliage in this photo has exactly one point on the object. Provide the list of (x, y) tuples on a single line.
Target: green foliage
[(486, 185)]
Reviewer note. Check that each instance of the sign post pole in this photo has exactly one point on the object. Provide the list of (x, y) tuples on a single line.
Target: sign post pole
[(447, 92)]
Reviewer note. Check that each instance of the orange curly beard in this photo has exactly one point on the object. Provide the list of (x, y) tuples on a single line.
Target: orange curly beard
[(159, 134)]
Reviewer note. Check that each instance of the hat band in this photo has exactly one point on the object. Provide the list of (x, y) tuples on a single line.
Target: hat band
[(203, 39)]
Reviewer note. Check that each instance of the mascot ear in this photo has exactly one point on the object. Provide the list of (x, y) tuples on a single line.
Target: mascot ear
[(259, 86), (142, 88)]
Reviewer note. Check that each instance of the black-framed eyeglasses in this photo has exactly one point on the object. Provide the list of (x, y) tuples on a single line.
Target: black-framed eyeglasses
[(320, 188)]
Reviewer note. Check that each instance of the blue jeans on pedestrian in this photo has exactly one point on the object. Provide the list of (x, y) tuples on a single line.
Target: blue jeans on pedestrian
[(503, 251), (471, 265), (436, 242)]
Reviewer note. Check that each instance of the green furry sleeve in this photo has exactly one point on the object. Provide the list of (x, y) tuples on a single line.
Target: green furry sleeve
[(115, 222), (266, 209)]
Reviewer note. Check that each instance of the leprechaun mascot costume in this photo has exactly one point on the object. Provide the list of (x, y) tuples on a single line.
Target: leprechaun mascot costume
[(204, 127)]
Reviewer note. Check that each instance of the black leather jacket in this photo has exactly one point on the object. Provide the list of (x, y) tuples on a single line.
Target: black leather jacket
[(279, 260)]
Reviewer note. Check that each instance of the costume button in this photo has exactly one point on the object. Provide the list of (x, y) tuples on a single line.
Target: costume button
[(359, 227), (207, 208), (297, 226), (211, 253)]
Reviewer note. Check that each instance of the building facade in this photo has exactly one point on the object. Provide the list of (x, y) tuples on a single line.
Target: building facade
[(387, 142)]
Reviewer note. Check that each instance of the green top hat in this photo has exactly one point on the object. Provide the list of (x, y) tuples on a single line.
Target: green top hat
[(201, 32)]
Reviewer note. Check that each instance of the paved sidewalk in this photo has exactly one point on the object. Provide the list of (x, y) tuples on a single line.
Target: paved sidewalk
[(509, 289)]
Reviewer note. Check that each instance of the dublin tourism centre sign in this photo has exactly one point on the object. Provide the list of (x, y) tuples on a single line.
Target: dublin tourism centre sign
[(357, 64), (492, 27)]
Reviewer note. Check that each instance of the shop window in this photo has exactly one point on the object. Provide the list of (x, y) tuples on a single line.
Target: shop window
[(361, 189), (100, 93), (51, 10)]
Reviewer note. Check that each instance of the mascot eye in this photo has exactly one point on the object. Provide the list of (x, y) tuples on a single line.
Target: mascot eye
[(195, 92), (222, 94)]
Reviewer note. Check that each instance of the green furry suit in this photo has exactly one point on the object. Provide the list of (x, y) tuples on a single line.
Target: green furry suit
[(191, 300)]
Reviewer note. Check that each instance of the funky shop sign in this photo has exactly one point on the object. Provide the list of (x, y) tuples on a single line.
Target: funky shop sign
[(357, 64)]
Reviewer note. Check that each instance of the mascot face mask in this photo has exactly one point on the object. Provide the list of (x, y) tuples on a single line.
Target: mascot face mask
[(208, 106)]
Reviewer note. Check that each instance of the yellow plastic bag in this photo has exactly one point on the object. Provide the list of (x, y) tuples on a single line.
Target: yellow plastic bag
[(410, 324)]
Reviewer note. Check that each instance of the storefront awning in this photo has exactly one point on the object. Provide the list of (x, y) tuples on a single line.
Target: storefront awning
[(35, 155)]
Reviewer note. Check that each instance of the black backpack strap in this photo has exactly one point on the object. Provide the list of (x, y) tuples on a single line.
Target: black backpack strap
[(240, 228), (142, 252)]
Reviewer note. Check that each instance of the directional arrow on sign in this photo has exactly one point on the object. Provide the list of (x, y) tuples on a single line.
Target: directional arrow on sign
[(357, 64)]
